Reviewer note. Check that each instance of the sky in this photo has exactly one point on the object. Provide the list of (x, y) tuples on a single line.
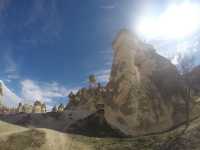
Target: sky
[(50, 47)]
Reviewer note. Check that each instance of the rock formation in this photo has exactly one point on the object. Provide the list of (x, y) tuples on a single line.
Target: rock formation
[(145, 89), (145, 94), (19, 108), (37, 108), (61, 108), (87, 99), (26, 108), (54, 109), (43, 108)]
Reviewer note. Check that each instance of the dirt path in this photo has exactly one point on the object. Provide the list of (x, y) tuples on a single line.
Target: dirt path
[(60, 141)]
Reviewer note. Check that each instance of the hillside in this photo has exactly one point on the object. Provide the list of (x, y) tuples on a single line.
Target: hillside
[(45, 139)]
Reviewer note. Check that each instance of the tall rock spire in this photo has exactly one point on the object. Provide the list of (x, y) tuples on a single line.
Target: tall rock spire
[(146, 88)]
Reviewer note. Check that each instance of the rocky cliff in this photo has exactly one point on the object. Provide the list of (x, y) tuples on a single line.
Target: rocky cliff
[(146, 91)]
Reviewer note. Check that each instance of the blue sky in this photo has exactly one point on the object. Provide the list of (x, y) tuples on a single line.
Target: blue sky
[(50, 42), (49, 47)]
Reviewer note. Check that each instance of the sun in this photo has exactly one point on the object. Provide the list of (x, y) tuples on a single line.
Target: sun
[(176, 22)]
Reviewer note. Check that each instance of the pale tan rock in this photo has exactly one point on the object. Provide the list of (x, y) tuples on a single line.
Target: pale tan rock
[(26, 108), (146, 89), (61, 108), (43, 108), (19, 108), (37, 107)]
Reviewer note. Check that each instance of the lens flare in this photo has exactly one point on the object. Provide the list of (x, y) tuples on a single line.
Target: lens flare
[(176, 22)]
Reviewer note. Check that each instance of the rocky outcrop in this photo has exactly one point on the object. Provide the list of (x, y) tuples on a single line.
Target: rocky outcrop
[(37, 107), (145, 89), (54, 109), (87, 99), (44, 108), (61, 108), (26, 108), (19, 108)]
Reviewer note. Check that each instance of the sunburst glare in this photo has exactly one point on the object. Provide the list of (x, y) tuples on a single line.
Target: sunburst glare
[(176, 22)]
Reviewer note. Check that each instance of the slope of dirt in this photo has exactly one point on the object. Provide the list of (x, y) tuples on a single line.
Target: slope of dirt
[(7, 128), (13, 137), (46, 139)]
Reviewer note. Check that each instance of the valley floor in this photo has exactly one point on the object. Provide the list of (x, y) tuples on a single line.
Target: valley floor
[(13, 137)]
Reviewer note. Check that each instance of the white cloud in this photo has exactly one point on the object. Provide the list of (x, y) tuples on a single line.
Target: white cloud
[(45, 92), (103, 75), (172, 49)]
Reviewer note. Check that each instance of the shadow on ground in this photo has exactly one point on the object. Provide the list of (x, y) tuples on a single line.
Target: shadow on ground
[(92, 125)]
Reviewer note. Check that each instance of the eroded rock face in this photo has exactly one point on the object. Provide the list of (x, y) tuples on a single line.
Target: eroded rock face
[(145, 89)]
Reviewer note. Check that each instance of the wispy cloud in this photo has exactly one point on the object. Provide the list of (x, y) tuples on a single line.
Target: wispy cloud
[(103, 75), (45, 92), (107, 56), (107, 7), (11, 70)]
